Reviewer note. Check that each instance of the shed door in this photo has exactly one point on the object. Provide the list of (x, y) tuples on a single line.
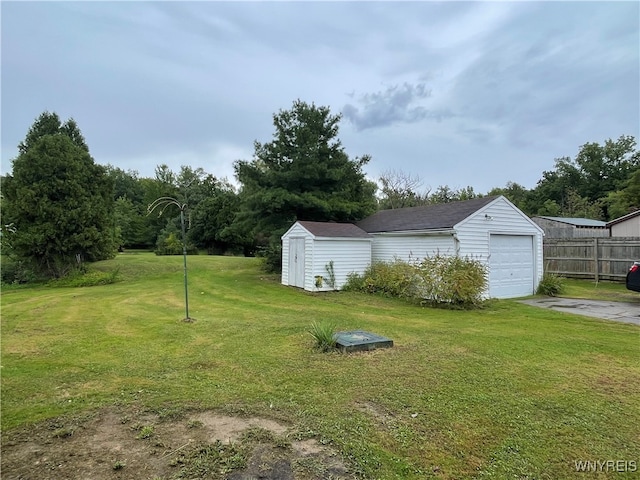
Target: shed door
[(511, 266), (296, 262)]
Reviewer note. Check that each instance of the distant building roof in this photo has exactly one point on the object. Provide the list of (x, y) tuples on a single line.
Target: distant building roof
[(576, 222), (624, 218), (329, 229), (429, 217)]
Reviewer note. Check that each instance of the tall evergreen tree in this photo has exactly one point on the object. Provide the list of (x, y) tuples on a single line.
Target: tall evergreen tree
[(302, 174), (58, 200)]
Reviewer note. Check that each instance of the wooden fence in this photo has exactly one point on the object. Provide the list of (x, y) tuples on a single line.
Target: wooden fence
[(591, 258)]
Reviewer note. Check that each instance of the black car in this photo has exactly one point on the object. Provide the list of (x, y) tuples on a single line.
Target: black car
[(633, 277)]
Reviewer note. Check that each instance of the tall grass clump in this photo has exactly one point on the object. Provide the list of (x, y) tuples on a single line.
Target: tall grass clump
[(551, 285), (324, 335)]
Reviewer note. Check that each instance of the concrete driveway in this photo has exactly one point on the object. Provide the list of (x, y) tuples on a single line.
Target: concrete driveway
[(618, 311)]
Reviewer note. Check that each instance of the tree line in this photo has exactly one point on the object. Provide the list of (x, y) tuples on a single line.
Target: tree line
[(602, 182), (60, 208)]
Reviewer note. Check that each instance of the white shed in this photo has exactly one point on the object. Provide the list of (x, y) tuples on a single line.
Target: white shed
[(318, 256), (489, 229)]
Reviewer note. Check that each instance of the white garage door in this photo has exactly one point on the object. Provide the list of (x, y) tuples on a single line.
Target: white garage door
[(511, 266)]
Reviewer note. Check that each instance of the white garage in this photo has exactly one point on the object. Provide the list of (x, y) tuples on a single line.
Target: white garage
[(318, 256), (489, 229)]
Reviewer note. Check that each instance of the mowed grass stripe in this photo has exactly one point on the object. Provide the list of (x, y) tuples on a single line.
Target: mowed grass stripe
[(509, 390)]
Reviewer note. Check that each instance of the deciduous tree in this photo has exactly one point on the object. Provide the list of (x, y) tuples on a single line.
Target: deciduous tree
[(400, 190), (595, 175), (213, 220)]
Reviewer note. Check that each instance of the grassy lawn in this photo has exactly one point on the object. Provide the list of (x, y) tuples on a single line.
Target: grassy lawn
[(613, 291), (510, 391)]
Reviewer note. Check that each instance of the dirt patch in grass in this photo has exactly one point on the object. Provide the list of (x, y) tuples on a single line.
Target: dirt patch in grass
[(119, 444), (378, 413)]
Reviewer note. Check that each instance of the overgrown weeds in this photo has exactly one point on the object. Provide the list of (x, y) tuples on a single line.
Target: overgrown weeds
[(390, 279), (438, 280), (451, 280), (210, 460)]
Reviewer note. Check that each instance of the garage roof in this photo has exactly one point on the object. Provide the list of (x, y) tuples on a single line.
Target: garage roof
[(328, 229), (429, 217), (624, 218)]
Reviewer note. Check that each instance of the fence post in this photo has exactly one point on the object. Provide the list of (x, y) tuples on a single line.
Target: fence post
[(595, 258)]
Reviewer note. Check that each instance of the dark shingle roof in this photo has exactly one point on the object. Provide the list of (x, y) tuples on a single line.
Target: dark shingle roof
[(429, 217), (328, 229)]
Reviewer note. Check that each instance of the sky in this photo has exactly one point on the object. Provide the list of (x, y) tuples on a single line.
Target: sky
[(456, 93)]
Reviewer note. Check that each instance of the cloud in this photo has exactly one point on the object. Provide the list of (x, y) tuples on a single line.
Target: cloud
[(535, 83), (396, 104), (461, 93)]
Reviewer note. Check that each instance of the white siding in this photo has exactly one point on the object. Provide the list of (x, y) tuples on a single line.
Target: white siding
[(409, 247), (348, 255), (309, 246), (499, 217), (296, 230), (284, 277)]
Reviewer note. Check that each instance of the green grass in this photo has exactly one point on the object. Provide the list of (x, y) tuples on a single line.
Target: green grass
[(509, 391), (589, 289)]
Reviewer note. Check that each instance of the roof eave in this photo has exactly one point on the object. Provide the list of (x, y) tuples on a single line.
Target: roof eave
[(430, 231), (343, 238), (624, 218)]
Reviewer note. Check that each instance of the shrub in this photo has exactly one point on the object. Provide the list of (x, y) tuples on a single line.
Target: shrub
[(271, 256), (324, 335), (354, 283), (170, 242), (88, 279), (437, 280), (452, 280), (172, 245), (551, 285), (392, 279), (18, 272)]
